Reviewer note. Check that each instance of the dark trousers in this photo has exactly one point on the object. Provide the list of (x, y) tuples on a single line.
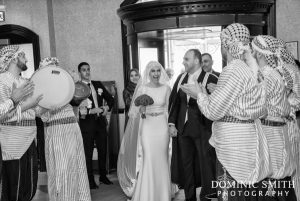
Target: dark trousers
[(254, 192), (192, 150), (19, 177), (98, 136)]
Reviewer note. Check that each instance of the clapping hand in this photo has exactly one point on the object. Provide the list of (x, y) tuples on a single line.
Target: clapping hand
[(211, 87)]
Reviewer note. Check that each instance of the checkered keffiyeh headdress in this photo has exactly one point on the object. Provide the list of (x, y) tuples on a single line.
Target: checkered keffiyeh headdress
[(48, 61), (267, 45), (8, 53), (271, 48), (287, 58), (286, 55), (235, 38)]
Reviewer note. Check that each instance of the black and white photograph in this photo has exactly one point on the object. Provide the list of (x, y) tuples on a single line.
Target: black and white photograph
[(149, 100)]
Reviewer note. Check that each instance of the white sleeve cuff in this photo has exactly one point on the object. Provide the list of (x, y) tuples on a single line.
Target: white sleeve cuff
[(200, 98)]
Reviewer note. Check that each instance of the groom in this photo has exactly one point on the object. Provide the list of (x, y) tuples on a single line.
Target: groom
[(193, 158)]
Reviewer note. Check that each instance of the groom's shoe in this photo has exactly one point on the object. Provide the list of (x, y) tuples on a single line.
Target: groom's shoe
[(191, 199), (103, 179), (93, 185)]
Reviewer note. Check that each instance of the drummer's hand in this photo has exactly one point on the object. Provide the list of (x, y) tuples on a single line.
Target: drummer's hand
[(22, 92), (105, 110), (31, 103)]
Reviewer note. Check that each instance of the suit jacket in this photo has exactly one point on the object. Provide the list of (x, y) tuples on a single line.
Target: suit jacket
[(216, 73), (92, 120), (179, 106)]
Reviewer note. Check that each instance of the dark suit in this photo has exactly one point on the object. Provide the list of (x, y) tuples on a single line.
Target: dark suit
[(94, 129), (193, 159), (216, 73)]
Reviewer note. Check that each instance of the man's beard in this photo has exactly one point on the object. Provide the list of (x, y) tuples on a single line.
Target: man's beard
[(224, 54), (22, 66)]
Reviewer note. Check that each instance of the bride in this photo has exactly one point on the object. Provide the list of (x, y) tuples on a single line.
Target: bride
[(143, 163)]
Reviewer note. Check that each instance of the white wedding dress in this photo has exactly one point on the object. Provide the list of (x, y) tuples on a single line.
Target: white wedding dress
[(153, 181)]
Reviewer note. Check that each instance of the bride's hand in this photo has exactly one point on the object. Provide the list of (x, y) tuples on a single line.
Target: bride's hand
[(143, 109)]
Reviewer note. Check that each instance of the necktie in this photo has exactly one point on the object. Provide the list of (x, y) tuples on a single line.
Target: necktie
[(186, 79)]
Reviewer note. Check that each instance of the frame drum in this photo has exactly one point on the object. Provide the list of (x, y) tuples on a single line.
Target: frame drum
[(82, 91), (56, 85)]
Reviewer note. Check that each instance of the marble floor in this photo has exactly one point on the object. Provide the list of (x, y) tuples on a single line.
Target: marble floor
[(104, 193)]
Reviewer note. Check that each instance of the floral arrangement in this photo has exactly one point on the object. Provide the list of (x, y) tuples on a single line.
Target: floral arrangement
[(143, 100)]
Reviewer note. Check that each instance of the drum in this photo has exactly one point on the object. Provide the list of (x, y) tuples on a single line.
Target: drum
[(56, 85), (82, 91)]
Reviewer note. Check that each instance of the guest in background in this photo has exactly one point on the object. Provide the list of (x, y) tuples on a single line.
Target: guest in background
[(93, 124), (208, 62), (170, 73), (134, 77)]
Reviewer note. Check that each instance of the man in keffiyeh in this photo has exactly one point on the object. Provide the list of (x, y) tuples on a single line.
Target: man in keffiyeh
[(235, 106), (274, 126), (64, 151), (17, 131), (291, 75)]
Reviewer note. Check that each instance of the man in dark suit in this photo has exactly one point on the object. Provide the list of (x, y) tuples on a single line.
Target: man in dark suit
[(93, 124), (193, 158), (207, 63)]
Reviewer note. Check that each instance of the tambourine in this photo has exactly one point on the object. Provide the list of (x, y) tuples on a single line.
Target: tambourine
[(82, 92)]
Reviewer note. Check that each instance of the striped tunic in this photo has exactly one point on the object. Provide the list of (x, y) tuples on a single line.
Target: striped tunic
[(65, 159), (293, 129), (5, 107), (294, 96), (278, 139), (18, 131), (241, 147)]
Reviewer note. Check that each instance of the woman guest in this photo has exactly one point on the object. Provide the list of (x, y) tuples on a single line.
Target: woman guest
[(148, 178), (64, 153), (134, 77)]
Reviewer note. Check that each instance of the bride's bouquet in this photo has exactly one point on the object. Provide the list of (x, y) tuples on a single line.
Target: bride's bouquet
[(143, 100)]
